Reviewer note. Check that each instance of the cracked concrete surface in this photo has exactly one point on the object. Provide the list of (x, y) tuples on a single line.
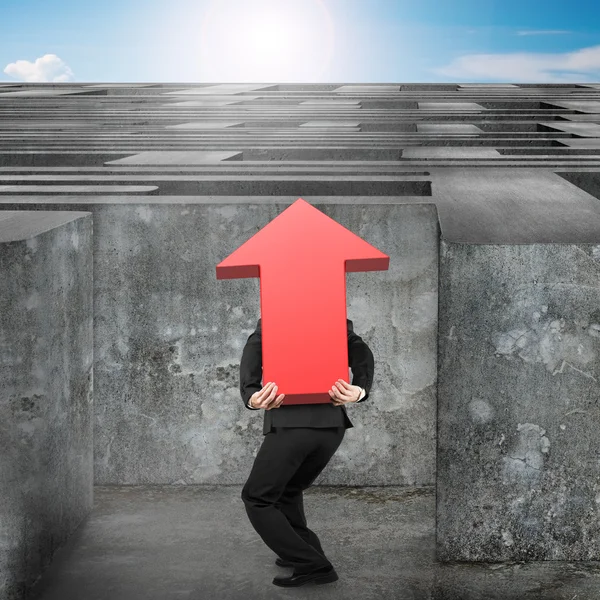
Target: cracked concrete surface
[(196, 543), (518, 413)]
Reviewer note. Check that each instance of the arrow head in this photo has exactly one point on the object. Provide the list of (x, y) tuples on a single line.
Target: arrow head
[(302, 257)]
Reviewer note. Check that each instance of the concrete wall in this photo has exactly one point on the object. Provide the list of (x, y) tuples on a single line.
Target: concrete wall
[(169, 338), (518, 392), (46, 409)]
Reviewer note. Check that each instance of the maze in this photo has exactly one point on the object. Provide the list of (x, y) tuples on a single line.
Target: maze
[(118, 200)]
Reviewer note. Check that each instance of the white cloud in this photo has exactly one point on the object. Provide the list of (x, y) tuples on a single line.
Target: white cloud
[(580, 66), (48, 68), (543, 32)]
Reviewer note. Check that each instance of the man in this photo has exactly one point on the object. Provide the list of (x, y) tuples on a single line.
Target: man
[(300, 439)]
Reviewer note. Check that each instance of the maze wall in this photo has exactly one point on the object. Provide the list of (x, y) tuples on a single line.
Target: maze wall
[(485, 330)]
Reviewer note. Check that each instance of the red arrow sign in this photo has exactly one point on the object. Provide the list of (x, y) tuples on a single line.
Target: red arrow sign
[(302, 257)]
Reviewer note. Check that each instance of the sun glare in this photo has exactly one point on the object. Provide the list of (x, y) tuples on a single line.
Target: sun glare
[(266, 41)]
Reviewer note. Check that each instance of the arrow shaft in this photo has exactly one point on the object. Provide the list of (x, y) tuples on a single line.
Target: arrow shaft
[(304, 331)]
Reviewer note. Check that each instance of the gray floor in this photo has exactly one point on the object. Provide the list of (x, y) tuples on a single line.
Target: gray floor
[(195, 542)]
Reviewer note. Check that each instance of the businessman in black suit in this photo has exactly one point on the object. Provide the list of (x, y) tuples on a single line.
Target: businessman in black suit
[(299, 441)]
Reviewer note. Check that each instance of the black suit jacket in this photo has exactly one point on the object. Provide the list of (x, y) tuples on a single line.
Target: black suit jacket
[(360, 360)]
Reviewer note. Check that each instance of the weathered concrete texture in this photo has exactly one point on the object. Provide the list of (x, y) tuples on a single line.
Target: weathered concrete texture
[(475, 205), (174, 157), (39, 92), (521, 206), (169, 338), (169, 407), (119, 85), (581, 142), (367, 89), (332, 102), (445, 128), (16, 190), (206, 125), (219, 89), (518, 402), (212, 101), (590, 117), (243, 184), (333, 124), (449, 152), (195, 542), (46, 410), (587, 106), (580, 129), (487, 86), (450, 106), (587, 181)]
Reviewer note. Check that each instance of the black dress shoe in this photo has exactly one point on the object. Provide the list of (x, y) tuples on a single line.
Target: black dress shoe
[(283, 563), (322, 575)]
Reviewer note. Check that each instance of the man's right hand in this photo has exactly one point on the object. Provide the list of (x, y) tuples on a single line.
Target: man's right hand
[(266, 398)]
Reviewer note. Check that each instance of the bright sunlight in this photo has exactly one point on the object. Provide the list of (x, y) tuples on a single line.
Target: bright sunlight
[(266, 41)]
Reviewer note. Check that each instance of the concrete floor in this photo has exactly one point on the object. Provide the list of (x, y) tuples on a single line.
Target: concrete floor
[(195, 543)]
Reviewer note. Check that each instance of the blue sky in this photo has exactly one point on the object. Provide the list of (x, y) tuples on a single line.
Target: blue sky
[(300, 41)]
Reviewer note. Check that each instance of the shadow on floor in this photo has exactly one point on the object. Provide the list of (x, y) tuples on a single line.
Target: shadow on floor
[(168, 542)]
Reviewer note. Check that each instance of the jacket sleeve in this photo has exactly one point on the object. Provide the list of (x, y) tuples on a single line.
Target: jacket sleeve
[(251, 368), (362, 363)]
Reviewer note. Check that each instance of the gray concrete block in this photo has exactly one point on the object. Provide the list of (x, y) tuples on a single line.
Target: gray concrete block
[(77, 189), (450, 106), (248, 185), (487, 86), (449, 152), (46, 370), (332, 124), (445, 128), (332, 102), (580, 142), (367, 89), (589, 117), (167, 375), (516, 206), (157, 241), (206, 125), (174, 157), (581, 129), (587, 106), (518, 413), (588, 181), (19, 225), (35, 92), (119, 85), (213, 102), (215, 90), (48, 158)]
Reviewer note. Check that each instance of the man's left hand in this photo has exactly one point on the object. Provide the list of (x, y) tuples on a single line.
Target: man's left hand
[(343, 392)]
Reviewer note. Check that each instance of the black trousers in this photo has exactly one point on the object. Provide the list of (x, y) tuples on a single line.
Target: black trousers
[(287, 463)]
